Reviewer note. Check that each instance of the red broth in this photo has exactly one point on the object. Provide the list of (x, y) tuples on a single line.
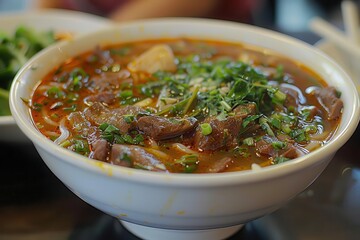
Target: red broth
[(186, 106)]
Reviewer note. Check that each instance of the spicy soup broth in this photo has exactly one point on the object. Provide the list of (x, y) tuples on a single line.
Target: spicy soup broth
[(186, 105)]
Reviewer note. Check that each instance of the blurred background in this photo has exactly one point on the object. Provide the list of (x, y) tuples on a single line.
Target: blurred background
[(283, 15)]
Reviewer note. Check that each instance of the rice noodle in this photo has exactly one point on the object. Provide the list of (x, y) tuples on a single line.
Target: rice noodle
[(255, 166), (182, 148), (157, 153), (320, 136), (313, 145), (47, 119), (64, 132), (153, 144), (51, 134)]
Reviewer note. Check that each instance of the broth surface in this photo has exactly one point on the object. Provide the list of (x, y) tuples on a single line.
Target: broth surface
[(186, 106)]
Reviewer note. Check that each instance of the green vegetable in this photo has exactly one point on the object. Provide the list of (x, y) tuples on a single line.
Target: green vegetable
[(249, 141), (278, 160), (189, 162), (112, 134), (206, 129), (15, 50)]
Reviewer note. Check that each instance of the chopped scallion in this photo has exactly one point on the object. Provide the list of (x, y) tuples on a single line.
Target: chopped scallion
[(206, 129)]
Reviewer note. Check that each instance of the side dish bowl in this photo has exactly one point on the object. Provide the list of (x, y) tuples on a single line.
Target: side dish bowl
[(59, 21), (184, 206)]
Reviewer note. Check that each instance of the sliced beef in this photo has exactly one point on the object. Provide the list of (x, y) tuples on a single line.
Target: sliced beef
[(161, 128), (265, 147), (135, 157), (108, 81), (330, 101), (100, 149), (83, 127), (99, 114), (220, 165), (289, 152), (107, 98), (224, 134)]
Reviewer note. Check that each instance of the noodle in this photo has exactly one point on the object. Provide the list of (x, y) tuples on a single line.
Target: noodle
[(182, 148), (64, 132), (47, 119)]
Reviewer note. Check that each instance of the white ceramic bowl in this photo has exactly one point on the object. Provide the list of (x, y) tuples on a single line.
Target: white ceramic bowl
[(181, 206), (60, 21)]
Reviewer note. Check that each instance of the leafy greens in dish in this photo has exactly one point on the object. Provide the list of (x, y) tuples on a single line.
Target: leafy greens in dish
[(15, 50)]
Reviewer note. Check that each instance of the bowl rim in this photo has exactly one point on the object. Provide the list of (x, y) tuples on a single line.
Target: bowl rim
[(181, 179)]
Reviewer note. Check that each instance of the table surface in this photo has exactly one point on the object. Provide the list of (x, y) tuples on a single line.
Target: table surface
[(34, 204)]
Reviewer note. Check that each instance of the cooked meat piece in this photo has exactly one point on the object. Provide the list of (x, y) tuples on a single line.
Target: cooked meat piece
[(99, 114), (266, 148), (100, 149), (285, 138), (245, 110), (158, 58), (160, 128), (108, 81), (224, 134), (329, 100), (83, 127), (289, 152), (219, 165), (104, 97), (135, 157)]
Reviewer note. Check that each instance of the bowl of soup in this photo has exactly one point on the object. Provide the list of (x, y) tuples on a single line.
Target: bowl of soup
[(185, 128)]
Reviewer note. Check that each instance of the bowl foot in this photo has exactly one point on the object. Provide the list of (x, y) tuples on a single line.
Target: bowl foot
[(149, 233)]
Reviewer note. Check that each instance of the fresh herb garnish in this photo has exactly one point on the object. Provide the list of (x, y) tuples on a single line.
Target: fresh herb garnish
[(112, 134)]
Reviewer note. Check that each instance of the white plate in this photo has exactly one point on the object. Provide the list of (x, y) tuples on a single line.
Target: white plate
[(347, 62), (61, 21)]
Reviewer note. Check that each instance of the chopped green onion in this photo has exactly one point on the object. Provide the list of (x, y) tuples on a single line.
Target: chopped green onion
[(265, 126), (81, 146), (189, 162), (206, 129), (278, 145), (55, 92), (278, 160), (129, 118), (126, 94), (226, 106), (249, 141), (187, 159)]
